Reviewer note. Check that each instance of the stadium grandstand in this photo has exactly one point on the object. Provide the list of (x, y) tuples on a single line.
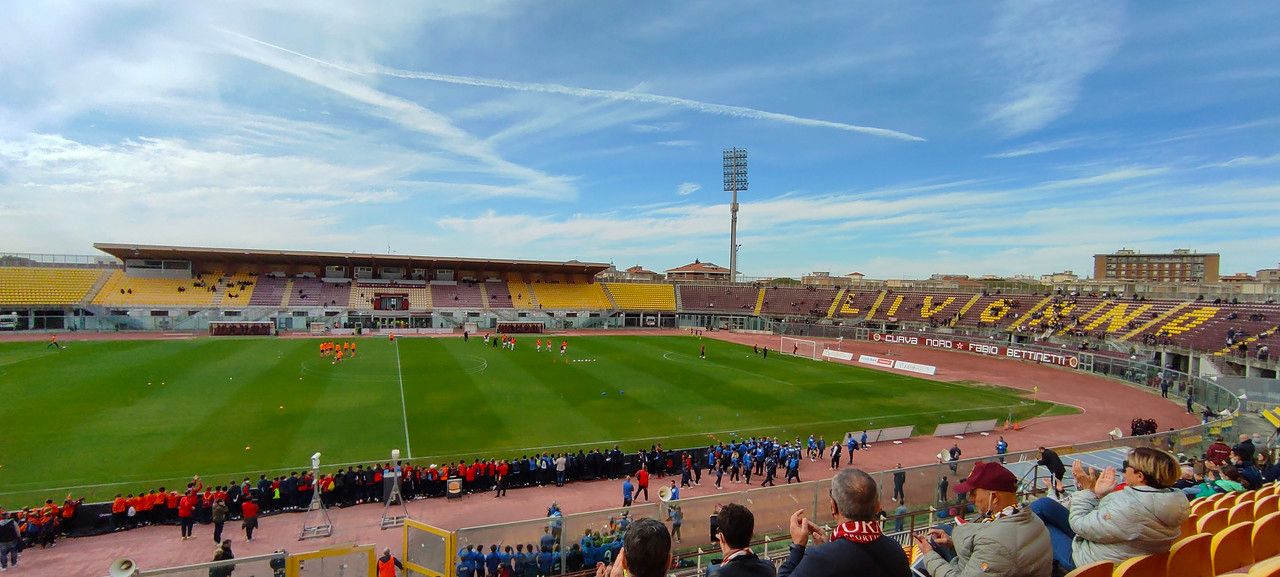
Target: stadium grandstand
[(144, 287)]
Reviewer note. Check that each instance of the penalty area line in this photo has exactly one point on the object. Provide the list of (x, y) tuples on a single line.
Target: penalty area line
[(404, 411)]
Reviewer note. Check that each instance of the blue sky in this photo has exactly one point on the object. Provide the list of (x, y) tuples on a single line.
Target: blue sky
[(896, 140)]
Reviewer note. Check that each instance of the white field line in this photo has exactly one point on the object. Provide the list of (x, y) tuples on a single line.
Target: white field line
[(404, 412)]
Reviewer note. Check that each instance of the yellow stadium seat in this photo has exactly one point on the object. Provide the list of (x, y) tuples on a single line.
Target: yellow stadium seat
[(643, 296), (1189, 557), (1144, 566), (1213, 522), (1202, 507), (1266, 568), (1232, 548), (582, 296), (1227, 501), (1266, 505), (1266, 536), (45, 286), (1189, 526), (1096, 569), (1242, 512)]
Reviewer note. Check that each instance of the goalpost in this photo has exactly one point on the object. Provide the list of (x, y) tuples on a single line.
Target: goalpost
[(800, 348)]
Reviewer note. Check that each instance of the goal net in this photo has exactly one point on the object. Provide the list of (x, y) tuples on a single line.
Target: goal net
[(800, 348)]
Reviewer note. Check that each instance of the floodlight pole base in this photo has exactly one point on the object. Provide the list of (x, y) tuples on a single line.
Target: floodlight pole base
[(316, 524), (394, 518)]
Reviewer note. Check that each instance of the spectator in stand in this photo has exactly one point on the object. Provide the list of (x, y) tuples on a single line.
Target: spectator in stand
[(1245, 448), (223, 553), (857, 545), (1110, 524), (646, 552), (1007, 539), (736, 526), (1218, 452)]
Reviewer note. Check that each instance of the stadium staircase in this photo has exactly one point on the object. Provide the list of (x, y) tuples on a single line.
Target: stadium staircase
[(972, 301), (484, 297), (98, 283), (608, 295), (1159, 319), (835, 304), (679, 301), (759, 302), (1026, 317), (288, 289), (876, 305), (1086, 316)]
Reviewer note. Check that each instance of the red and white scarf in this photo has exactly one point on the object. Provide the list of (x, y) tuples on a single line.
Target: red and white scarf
[(857, 531)]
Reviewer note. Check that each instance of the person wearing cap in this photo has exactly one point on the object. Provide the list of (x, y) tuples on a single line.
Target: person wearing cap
[(1109, 523), (1006, 540)]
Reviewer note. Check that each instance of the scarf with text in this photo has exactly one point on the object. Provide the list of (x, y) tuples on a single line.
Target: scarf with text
[(857, 531)]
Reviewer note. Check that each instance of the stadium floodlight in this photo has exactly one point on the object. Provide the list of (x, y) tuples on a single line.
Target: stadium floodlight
[(735, 179)]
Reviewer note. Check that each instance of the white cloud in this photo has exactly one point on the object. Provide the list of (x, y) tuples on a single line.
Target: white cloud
[(687, 188), (1046, 49), (678, 143), (1037, 148), (642, 97), (1248, 160)]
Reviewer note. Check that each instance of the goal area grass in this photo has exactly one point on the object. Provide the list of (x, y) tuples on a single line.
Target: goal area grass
[(106, 417)]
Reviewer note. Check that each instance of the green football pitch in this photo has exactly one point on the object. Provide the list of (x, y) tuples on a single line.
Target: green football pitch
[(102, 417)]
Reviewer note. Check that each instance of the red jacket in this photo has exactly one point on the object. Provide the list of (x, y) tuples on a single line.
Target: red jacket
[(250, 509), (186, 506), (642, 478)]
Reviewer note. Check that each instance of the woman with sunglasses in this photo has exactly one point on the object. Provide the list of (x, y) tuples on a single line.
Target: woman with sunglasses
[(1107, 522)]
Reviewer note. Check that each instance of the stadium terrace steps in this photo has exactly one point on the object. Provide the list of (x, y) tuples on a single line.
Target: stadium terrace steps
[(269, 291), (921, 307), (812, 302), (570, 296), (521, 294), (876, 305), (968, 305), (39, 285), (499, 295), (288, 288), (642, 297), (1155, 319), (312, 292), (1095, 306), (613, 303), (235, 290), (835, 304), (123, 290), (103, 276), (679, 301), (855, 303), (1232, 349), (484, 297), (461, 295), (759, 302), (1028, 316), (725, 299)]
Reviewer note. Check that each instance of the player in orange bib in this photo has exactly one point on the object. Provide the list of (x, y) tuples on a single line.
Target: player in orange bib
[(353, 348), (337, 357), (537, 346)]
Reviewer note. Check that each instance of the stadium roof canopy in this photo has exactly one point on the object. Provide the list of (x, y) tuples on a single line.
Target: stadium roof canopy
[(348, 259)]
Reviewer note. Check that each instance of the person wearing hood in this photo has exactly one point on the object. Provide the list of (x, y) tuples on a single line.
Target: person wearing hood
[(1007, 540), (1108, 523)]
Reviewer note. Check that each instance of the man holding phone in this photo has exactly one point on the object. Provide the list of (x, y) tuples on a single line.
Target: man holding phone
[(1007, 539)]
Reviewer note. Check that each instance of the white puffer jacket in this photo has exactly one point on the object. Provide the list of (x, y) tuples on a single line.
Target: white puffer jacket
[(1127, 523)]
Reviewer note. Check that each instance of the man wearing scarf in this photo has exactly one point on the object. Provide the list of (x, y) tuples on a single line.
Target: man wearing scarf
[(857, 545)]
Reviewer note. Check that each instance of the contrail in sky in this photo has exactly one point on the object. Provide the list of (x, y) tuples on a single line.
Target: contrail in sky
[(642, 97), (705, 107)]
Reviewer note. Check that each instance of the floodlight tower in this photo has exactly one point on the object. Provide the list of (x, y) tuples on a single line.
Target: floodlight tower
[(735, 179)]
